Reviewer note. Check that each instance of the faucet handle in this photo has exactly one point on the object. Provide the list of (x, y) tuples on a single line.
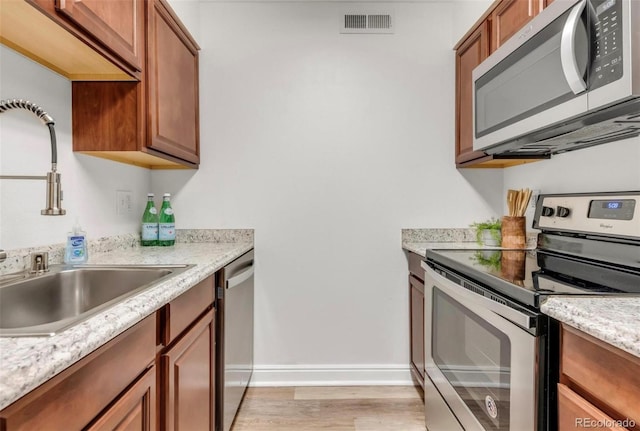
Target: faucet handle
[(39, 262)]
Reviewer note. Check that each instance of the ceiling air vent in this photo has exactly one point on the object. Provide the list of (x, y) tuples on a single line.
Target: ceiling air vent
[(367, 23)]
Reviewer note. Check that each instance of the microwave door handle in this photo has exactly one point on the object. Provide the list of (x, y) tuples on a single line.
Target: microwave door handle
[(568, 50)]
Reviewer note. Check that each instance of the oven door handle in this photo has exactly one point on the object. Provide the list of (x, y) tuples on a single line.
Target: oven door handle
[(466, 297)]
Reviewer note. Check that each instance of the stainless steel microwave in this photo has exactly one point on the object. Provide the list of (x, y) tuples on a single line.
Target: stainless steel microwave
[(569, 79)]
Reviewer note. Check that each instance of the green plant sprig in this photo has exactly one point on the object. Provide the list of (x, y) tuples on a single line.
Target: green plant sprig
[(493, 225)]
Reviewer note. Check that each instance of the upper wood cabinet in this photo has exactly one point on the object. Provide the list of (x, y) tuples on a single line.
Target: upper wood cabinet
[(117, 24), (172, 81), (501, 21), (468, 55), (153, 123), (509, 17), (79, 39)]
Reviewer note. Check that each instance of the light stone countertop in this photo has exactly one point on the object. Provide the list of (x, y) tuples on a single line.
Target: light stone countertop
[(420, 240), (27, 362), (614, 320)]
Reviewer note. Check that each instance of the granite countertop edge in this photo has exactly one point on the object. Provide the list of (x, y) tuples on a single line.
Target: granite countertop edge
[(614, 320), (27, 362)]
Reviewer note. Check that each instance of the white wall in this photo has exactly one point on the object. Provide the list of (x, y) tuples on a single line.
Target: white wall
[(89, 184), (611, 167), (328, 145)]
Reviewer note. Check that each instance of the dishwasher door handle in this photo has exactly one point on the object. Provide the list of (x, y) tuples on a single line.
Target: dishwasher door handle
[(240, 278)]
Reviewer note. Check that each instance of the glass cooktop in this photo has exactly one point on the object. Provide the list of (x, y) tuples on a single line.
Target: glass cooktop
[(528, 276)]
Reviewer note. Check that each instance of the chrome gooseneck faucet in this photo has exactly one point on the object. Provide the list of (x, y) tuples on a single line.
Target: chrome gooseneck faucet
[(54, 187)]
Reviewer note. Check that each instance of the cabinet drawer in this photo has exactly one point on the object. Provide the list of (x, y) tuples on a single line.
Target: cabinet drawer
[(606, 376), (180, 313), (576, 413), (414, 265), (70, 400)]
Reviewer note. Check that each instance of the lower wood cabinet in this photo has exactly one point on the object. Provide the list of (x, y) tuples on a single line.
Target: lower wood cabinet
[(85, 393), (574, 413), (188, 379), (416, 317), (417, 326), (135, 410), (598, 385), (157, 375), (187, 361)]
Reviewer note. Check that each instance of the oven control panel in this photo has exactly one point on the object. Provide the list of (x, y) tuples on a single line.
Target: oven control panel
[(609, 214)]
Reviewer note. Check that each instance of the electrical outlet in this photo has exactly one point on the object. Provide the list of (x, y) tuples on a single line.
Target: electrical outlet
[(124, 202), (531, 208), (534, 199)]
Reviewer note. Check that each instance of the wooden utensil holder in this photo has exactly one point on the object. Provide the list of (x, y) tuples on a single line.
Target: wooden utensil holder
[(514, 234)]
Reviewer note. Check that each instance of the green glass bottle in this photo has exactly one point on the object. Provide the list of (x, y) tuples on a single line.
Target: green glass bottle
[(167, 223), (149, 232)]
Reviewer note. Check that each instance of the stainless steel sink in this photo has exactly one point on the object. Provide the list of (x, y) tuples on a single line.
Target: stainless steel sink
[(46, 304)]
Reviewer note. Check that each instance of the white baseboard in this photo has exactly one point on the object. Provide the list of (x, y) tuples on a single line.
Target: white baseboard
[(331, 375)]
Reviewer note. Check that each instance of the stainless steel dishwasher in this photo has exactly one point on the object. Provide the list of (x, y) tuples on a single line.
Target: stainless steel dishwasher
[(234, 344)]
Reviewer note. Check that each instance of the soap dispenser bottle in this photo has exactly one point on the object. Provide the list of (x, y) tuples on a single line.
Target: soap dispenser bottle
[(76, 250)]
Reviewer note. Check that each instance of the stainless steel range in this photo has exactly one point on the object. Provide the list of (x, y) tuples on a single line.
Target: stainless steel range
[(491, 355)]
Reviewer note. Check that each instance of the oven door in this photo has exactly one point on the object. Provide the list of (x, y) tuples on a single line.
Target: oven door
[(480, 358)]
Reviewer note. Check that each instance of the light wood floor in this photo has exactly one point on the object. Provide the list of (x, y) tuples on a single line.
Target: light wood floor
[(360, 408)]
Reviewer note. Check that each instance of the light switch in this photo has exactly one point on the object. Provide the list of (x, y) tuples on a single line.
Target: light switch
[(124, 202)]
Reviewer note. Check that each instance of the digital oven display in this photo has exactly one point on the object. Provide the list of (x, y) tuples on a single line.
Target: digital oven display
[(618, 209)]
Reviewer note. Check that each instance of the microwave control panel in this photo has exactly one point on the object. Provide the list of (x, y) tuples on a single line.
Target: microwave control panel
[(606, 42)]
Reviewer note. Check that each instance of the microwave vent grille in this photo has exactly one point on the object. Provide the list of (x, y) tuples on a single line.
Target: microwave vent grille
[(367, 23)]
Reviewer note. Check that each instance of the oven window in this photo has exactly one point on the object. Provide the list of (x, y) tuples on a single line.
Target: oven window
[(475, 358)]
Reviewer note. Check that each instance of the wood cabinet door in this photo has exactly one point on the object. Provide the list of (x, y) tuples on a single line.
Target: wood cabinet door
[(188, 380), (135, 410), (509, 17), (417, 325), (172, 83), (468, 56), (117, 24)]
